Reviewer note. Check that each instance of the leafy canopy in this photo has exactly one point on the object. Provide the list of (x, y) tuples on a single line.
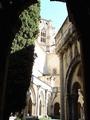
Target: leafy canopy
[(29, 29)]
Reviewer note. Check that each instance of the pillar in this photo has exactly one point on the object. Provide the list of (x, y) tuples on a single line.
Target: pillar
[(46, 102), (33, 109), (37, 108), (62, 87)]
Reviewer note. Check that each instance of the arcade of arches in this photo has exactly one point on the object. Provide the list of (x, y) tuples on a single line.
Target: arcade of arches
[(71, 77), (39, 103)]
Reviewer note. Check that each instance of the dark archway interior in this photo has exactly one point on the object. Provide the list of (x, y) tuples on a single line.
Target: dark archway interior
[(72, 89), (57, 110), (74, 101), (75, 87), (30, 107)]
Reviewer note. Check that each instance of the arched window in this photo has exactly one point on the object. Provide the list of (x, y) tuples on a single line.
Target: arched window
[(43, 35)]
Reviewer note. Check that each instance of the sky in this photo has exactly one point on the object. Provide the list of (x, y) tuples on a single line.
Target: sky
[(54, 11)]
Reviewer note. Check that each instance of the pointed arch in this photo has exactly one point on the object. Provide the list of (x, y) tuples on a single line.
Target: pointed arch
[(32, 94), (31, 101), (72, 84), (74, 63), (30, 107), (57, 110)]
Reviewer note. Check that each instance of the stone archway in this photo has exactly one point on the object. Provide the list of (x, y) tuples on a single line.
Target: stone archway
[(76, 102), (73, 84), (30, 107), (40, 108), (73, 102), (41, 104), (31, 102), (57, 110)]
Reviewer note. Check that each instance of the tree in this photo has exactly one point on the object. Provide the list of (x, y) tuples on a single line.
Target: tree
[(29, 29), (21, 60), (19, 76)]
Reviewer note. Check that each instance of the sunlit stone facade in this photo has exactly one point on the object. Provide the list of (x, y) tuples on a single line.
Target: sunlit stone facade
[(43, 97), (68, 50)]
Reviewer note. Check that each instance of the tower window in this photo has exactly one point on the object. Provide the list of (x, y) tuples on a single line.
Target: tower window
[(43, 39), (43, 35)]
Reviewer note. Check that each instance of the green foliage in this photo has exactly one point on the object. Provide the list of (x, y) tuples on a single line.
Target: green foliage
[(29, 28), (45, 118), (19, 77), (21, 59)]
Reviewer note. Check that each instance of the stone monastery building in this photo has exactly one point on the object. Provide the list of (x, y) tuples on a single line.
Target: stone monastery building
[(43, 97), (57, 88)]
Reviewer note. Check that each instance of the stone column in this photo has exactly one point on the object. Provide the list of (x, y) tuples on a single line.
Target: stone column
[(67, 106), (37, 108), (33, 109), (27, 103), (46, 102), (62, 115)]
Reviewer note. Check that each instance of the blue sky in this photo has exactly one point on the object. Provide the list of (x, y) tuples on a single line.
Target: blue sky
[(54, 11)]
